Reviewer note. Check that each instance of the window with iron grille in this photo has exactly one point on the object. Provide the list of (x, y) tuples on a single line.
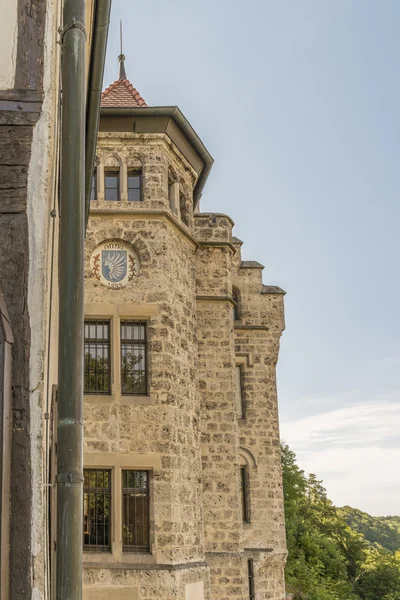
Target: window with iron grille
[(134, 186), (135, 511), (93, 191), (111, 185), (250, 571), (245, 494), (97, 510), (133, 358), (97, 357)]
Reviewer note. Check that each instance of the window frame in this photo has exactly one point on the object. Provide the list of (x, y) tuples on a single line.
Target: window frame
[(93, 189), (133, 173), (236, 299), (245, 493), (240, 398), (112, 172), (98, 548), (144, 548), (251, 579), (143, 343), (109, 344)]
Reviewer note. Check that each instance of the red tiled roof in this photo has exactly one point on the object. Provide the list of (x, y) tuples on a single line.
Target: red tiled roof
[(121, 93)]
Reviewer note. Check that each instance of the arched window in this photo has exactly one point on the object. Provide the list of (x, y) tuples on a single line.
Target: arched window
[(236, 301), (245, 489)]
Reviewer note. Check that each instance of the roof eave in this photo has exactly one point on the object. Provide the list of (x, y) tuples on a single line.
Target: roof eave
[(175, 113)]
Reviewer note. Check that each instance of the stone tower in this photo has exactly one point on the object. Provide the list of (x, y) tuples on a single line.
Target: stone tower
[(183, 490)]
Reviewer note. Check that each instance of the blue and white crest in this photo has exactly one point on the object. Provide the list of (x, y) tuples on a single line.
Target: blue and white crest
[(114, 265)]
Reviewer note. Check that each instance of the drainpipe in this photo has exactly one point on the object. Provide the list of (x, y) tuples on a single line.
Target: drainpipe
[(96, 69), (70, 370)]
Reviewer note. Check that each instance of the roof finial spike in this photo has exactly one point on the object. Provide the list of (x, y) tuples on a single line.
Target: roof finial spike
[(121, 57)]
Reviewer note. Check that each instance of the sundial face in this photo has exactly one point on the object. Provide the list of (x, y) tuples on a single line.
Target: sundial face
[(114, 264)]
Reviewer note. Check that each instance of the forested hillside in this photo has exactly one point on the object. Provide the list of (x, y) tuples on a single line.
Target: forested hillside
[(328, 559), (384, 531)]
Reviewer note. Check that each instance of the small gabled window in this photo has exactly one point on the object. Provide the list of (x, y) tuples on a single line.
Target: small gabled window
[(134, 186), (93, 191), (111, 185)]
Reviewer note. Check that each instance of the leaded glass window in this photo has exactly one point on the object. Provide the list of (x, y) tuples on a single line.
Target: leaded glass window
[(97, 357), (134, 186), (135, 511), (111, 185), (97, 510), (133, 358)]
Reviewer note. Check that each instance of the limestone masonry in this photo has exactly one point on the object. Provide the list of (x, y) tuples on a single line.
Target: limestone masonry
[(181, 345)]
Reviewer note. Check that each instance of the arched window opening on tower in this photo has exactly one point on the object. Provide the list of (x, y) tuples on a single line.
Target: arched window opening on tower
[(236, 302)]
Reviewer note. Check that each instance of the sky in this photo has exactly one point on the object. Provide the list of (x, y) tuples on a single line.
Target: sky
[(298, 103)]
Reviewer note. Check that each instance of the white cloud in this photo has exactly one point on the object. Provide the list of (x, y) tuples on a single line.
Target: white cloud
[(355, 450)]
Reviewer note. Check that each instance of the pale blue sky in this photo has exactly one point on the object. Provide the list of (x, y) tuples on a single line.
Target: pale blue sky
[(298, 103)]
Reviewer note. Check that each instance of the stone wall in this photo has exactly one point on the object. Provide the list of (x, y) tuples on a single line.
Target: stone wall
[(187, 429)]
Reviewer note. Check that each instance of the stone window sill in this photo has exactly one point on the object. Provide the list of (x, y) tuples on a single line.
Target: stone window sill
[(117, 399)]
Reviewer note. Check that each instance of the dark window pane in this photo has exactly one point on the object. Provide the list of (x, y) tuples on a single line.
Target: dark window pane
[(134, 187), (134, 194), (135, 511), (133, 358), (250, 571), (111, 181), (245, 495), (97, 357), (97, 510)]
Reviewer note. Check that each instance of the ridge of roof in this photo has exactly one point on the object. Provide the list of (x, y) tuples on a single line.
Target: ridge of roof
[(122, 94)]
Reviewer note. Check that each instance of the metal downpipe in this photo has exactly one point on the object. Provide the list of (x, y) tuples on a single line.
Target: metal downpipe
[(70, 370)]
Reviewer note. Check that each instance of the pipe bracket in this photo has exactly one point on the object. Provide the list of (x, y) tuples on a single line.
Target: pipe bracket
[(73, 25), (69, 479)]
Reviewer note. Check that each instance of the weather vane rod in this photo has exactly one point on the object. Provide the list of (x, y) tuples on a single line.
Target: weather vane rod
[(121, 57)]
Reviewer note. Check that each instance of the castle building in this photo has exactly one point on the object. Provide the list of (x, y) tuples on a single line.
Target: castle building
[(182, 478)]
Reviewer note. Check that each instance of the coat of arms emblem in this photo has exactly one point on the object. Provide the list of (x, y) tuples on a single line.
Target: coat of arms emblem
[(114, 264)]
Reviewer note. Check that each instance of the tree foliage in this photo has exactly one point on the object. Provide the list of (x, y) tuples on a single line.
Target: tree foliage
[(327, 558)]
